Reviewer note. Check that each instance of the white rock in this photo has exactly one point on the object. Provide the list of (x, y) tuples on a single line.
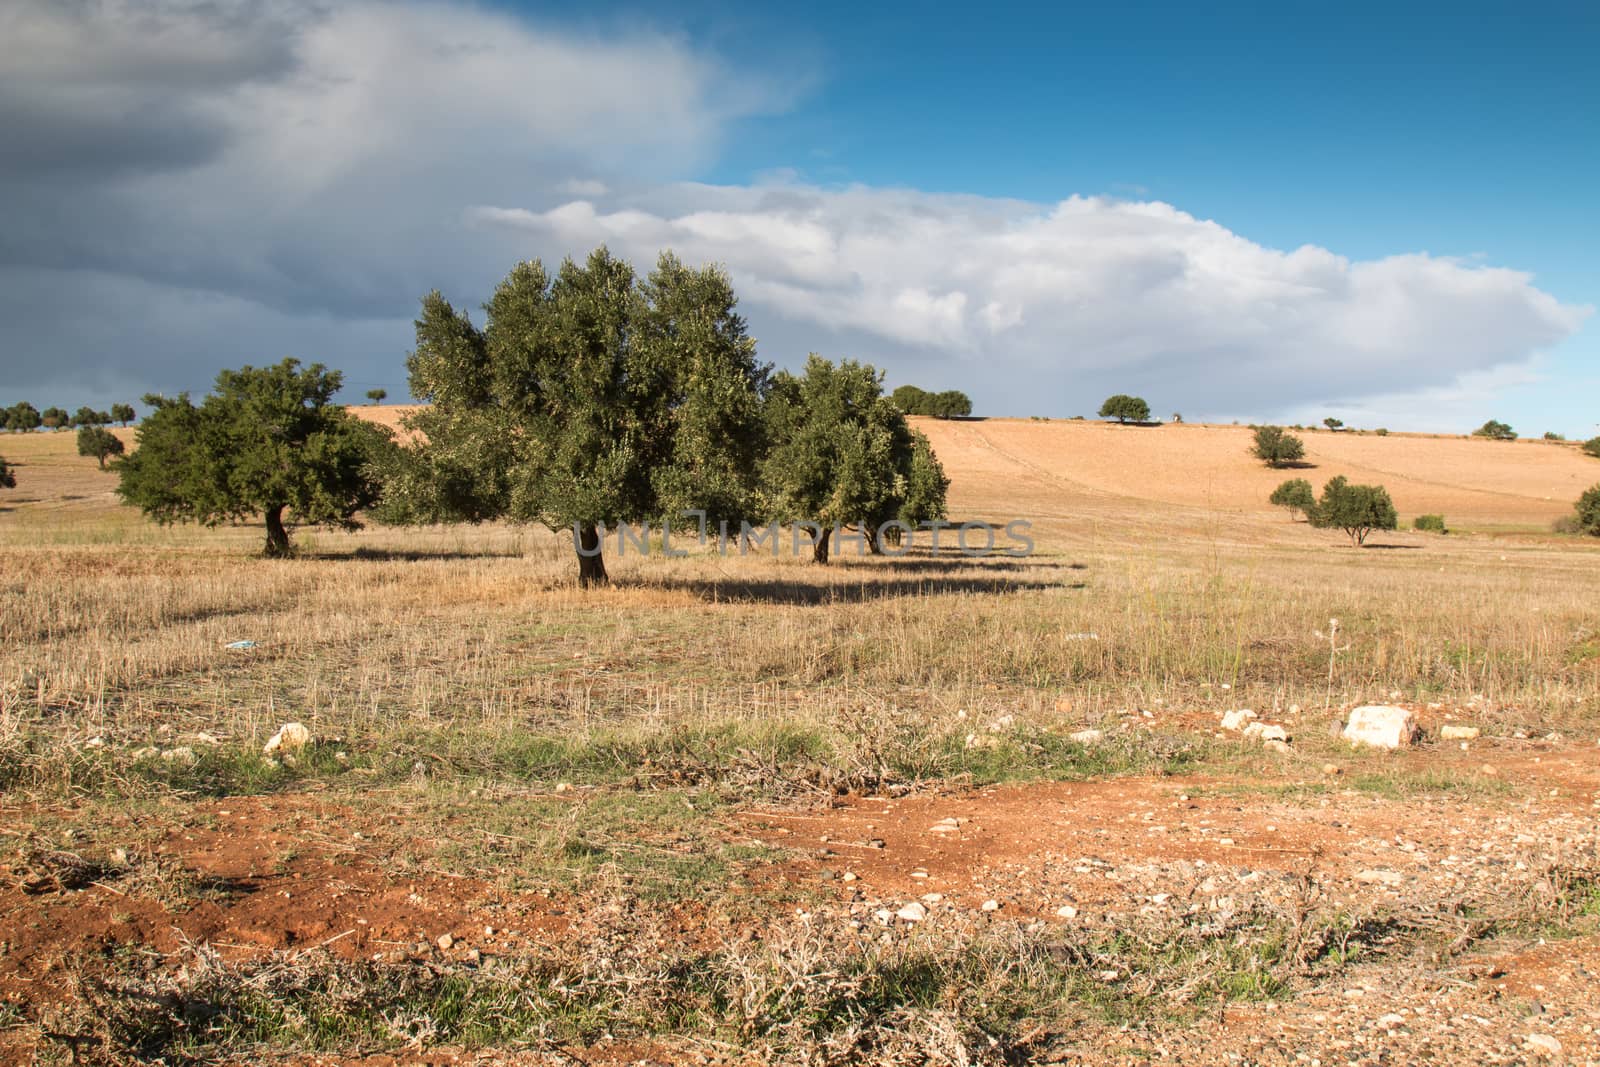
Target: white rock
[(1277, 746), (1086, 737), (1379, 877), (1458, 733), (1004, 722), (290, 737), (991, 905), (1542, 1043), (445, 941), (1235, 720), (1067, 911), (1381, 726), (913, 912), (181, 754), (1391, 1020)]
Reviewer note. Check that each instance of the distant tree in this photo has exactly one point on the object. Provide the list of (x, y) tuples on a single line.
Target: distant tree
[(22, 417), (911, 400), (841, 453), (1429, 524), (1177, 416), (1587, 511), (1332, 423), (99, 442), (1125, 408), (1355, 509), (56, 418), (87, 416), (1551, 435), (123, 413), (1296, 495), (8, 476), (591, 397), (377, 396), (1277, 447), (266, 441), (1497, 431), (1591, 447), (950, 404)]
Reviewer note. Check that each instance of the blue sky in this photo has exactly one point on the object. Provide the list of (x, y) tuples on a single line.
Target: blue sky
[(1262, 212)]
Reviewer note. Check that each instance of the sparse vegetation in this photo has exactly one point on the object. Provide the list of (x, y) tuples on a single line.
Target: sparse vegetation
[(1276, 447), (1125, 408), (1429, 524)]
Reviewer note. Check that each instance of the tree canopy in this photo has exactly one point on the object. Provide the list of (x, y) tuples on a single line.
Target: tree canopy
[(8, 476), (841, 453), (56, 418), (1295, 495), (1591, 447), (1277, 447), (950, 404), (1495, 430), (123, 413), (99, 442), (1125, 408), (591, 397), (377, 396), (1355, 509), (22, 417), (1588, 511), (267, 441)]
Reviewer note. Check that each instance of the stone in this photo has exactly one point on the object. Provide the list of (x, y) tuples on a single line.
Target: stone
[(1273, 744), (913, 912), (1542, 1043), (1262, 731), (181, 754), (991, 905), (1086, 737), (1235, 720), (291, 737), (1380, 877), (1380, 726), (445, 942), (1067, 911), (1451, 732), (1332, 769)]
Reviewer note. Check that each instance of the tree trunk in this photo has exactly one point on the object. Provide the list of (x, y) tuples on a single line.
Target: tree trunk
[(277, 536), (591, 564), (874, 544), (819, 551)]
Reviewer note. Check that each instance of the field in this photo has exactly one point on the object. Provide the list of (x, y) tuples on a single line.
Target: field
[(745, 810)]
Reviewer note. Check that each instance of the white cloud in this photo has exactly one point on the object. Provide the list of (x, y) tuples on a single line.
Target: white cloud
[(1134, 291)]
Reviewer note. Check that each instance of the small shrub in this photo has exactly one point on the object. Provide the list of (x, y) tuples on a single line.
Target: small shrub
[(1591, 447), (1566, 524), (1495, 431), (1588, 511), (1382, 431), (1551, 435), (1276, 447), (1429, 523)]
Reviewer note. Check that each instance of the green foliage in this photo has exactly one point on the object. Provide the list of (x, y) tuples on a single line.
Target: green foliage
[(1125, 408), (1355, 509), (267, 441), (841, 452), (1588, 511), (1296, 495), (1497, 431), (1551, 435), (377, 396), (1277, 447), (950, 404), (8, 476), (1429, 523), (123, 413), (22, 417), (87, 416), (591, 397), (56, 418), (926, 484), (1382, 431), (99, 442), (1332, 423), (1591, 447)]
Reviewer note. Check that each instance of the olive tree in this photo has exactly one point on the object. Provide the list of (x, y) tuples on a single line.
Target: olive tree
[(587, 398), (1125, 408), (1355, 509), (1295, 495), (99, 442), (1277, 447), (1588, 511), (123, 413), (267, 441)]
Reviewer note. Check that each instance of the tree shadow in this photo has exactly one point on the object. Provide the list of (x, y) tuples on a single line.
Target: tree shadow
[(1294, 465), (410, 555), (810, 594), (1394, 548)]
